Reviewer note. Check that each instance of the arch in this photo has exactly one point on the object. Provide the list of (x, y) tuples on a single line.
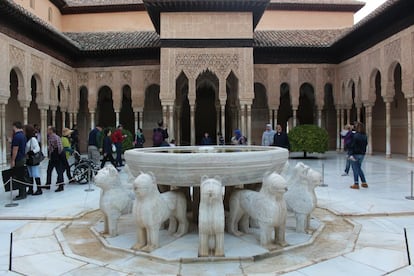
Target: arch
[(14, 112), (207, 84), (378, 114), (183, 110), (395, 65), (33, 111), (399, 120), (126, 115), (105, 113), (306, 109), (83, 119), (152, 109), (260, 113), (285, 108), (329, 115), (232, 109)]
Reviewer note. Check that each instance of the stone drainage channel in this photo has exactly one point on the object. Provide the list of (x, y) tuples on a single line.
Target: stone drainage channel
[(80, 239)]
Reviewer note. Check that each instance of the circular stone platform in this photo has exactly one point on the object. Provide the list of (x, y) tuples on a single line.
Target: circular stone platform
[(185, 248)]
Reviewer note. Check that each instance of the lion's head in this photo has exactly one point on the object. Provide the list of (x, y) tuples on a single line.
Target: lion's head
[(274, 183), (211, 188), (308, 175), (144, 185), (107, 178)]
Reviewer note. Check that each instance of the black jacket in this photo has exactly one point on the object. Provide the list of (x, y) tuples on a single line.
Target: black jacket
[(358, 144)]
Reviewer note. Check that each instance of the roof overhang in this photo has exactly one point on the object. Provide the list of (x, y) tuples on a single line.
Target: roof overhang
[(156, 7), (338, 6)]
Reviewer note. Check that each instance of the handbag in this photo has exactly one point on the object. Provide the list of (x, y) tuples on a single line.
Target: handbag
[(113, 148), (34, 159)]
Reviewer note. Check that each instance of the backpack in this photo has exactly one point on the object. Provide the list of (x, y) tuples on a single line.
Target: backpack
[(157, 137)]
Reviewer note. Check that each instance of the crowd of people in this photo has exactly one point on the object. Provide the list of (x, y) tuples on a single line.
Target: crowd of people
[(103, 143)]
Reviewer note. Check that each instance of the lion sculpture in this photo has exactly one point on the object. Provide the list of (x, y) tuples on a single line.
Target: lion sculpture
[(266, 206), (300, 196), (115, 199), (152, 208), (211, 217)]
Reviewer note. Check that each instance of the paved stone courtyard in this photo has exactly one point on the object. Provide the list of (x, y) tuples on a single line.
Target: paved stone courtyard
[(363, 231)]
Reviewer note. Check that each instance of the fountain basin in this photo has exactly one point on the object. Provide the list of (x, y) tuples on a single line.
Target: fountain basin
[(184, 166)]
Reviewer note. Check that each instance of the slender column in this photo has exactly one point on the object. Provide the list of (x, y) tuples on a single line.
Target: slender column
[(368, 119), (218, 119), (319, 117), (116, 118), (192, 115), (92, 119), (136, 118), (3, 133), (294, 115), (164, 114), (348, 116), (25, 112), (249, 124), (412, 128), (70, 120), (43, 129), (63, 119), (53, 112), (178, 116), (338, 129), (141, 119), (388, 128), (271, 121), (409, 128), (171, 121), (359, 114), (342, 125), (275, 122), (223, 120), (75, 118), (243, 119)]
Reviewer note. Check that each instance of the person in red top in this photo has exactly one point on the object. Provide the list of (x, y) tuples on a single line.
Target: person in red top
[(117, 139)]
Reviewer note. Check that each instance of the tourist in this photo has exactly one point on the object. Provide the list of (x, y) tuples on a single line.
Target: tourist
[(357, 150), (159, 135), (94, 144), (206, 140), (221, 141), (107, 149), (117, 139), (268, 136), (18, 159), (56, 155), (281, 139), (238, 138), (346, 135), (139, 139), (74, 137), (67, 148), (32, 147)]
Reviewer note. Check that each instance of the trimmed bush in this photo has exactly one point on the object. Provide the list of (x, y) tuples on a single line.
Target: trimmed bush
[(128, 141), (309, 139)]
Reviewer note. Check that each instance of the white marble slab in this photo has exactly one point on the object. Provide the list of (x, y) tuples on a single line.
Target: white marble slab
[(406, 271)]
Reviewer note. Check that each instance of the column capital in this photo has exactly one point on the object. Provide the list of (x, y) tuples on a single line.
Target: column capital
[(138, 109)]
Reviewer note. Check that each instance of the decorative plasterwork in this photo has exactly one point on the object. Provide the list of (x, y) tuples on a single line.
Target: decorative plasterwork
[(126, 77), (329, 75), (194, 64), (307, 75), (284, 74), (374, 59), (16, 56), (261, 75), (36, 64), (104, 78), (83, 79), (151, 77), (392, 51)]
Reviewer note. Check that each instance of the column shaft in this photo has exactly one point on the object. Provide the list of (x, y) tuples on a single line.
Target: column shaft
[(171, 121), (249, 124), (388, 129), (368, 119), (223, 120), (338, 130), (341, 126), (3, 133), (409, 129), (192, 120)]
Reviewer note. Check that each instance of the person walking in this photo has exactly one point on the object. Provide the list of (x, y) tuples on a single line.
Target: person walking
[(206, 140), (357, 150), (238, 138), (346, 135), (268, 136), (139, 139), (94, 144), (55, 150), (67, 148), (159, 136), (18, 159), (281, 139), (107, 149), (117, 139), (32, 147)]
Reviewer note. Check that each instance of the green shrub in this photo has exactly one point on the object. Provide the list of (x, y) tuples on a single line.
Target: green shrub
[(308, 138)]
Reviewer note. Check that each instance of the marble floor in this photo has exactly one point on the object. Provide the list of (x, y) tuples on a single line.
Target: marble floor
[(364, 232)]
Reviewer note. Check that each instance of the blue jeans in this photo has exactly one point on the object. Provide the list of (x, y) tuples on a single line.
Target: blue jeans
[(357, 169), (348, 164), (33, 171), (118, 160)]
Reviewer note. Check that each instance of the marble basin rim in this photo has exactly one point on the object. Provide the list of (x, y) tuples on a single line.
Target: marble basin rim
[(185, 165)]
